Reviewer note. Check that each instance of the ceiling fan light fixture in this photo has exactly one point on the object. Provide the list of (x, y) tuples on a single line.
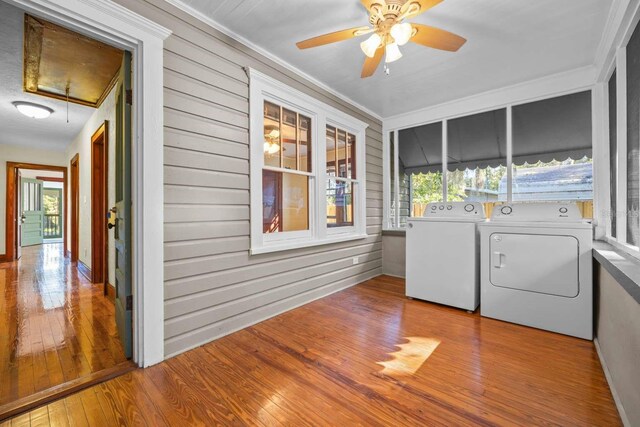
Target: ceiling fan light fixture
[(370, 45), (401, 33), (35, 111), (392, 53)]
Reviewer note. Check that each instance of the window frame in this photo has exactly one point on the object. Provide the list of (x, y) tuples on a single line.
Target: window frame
[(264, 88), (393, 223)]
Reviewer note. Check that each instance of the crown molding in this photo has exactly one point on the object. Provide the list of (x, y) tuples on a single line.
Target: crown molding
[(216, 25)]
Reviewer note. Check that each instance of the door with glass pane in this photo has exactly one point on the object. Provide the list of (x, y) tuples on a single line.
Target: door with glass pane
[(31, 214), (52, 206)]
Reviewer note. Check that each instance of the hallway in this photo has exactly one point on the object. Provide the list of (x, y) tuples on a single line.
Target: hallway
[(55, 326)]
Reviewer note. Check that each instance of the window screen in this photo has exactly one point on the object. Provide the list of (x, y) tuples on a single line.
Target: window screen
[(633, 136)]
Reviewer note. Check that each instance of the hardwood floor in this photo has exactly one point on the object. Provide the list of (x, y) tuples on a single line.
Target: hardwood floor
[(55, 326), (364, 356)]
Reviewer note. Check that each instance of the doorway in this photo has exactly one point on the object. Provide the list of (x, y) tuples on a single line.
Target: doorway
[(56, 237), (99, 202)]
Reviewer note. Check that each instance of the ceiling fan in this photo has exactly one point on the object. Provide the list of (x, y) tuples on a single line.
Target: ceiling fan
[(389, 32)]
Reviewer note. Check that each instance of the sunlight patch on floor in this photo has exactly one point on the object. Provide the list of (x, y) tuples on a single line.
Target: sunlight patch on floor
[(410, 357)]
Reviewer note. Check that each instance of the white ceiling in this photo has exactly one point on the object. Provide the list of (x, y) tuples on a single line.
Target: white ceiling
[(53, 133), (509, 41)]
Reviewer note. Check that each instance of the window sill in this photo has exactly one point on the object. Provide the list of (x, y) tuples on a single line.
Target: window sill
[(287, 246), (622, 266), (395, 232)]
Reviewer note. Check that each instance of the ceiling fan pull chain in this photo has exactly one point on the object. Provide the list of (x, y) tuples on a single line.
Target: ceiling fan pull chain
[(67, 91)]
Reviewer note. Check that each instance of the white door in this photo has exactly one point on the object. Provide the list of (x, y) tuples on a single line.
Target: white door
[(537, 263)]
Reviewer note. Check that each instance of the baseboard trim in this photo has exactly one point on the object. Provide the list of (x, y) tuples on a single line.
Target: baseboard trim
[(614, 393), (111, 292), (84, 270), (3, 258), (47, 396)]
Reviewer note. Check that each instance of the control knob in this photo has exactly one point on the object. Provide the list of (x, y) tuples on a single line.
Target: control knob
[(469, 207), (506, 210)]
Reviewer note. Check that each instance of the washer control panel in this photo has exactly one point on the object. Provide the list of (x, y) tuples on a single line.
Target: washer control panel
[(455, 210), (537, 211)]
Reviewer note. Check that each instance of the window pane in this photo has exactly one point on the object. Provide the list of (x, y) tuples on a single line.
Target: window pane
[(339, 203), (613, 152), (633, 136), (351, 153), (341, 154), (477, 158), (271, 135), (285, 202), (420, 169), (552, 150), (304, 132), (331, 150), (289, 139)]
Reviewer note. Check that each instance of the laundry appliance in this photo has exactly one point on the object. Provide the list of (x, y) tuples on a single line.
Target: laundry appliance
[(442, 254), (536, 265)]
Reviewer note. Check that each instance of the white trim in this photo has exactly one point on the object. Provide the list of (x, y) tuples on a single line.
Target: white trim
[(117, 25), (263, 87), (600, 146), (509, 153), (445, 160), (577, 80), (386, 179), (623, 16), (396, 182), (621, 137), (226, 31), (614, 392)]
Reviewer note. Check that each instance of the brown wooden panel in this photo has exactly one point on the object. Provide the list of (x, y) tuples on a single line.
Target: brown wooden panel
[(61, 63)]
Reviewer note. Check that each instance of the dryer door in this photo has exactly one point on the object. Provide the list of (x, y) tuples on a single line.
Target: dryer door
[(537, 263)]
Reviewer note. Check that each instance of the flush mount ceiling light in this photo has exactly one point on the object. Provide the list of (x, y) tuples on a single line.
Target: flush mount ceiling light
[(389, 32), (35, 111)]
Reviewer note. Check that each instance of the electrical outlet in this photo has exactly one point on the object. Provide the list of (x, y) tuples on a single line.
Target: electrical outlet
[(356, 260)]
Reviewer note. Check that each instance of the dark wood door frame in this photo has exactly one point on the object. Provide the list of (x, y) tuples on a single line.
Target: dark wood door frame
[(74, 206), (99, 205), (12, 203)]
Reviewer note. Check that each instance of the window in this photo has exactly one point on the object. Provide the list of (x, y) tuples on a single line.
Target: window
[(341, 173), (623, 96), (552, 149), (419, 169), (477, 157), (286, 171), (550, 145), (307, 170), (633, 138)]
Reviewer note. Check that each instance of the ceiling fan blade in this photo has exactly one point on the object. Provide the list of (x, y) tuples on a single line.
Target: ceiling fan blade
[(416, 7), (371, 64), (437, 38), (337, 36)]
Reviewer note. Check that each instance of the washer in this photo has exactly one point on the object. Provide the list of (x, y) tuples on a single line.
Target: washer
[(442, 250), (536, 267)]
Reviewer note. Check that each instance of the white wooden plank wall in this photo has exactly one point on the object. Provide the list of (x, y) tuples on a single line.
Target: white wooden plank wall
[(212, 285)]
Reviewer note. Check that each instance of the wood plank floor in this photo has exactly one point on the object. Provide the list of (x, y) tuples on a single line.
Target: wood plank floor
[(55, 326), (364, 356)]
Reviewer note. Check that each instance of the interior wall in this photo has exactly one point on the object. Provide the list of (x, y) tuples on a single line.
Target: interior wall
[(394, 254), (213, 286), (82, 145), (618, 335), (15, 153)]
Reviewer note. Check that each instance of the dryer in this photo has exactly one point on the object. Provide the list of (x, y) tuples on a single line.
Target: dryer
[(536, 265), (442, 254)]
